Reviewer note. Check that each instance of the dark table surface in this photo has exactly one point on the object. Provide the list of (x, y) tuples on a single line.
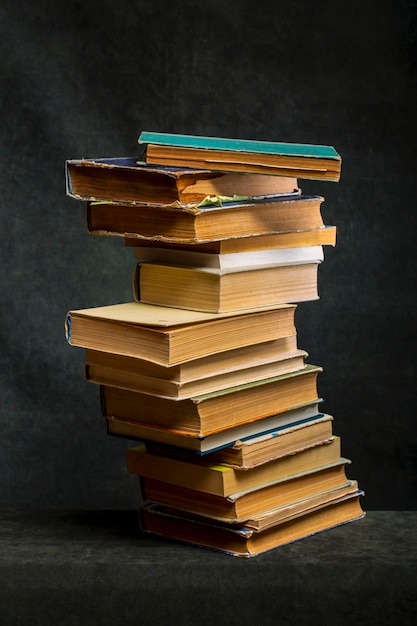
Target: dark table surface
[(96, 567)]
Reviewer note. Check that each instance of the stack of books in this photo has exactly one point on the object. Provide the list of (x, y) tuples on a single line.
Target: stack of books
[(202, 366)]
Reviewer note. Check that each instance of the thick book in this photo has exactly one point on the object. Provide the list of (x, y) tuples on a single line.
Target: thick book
[(204, 224), (242, 155), (244, 541), (232, 261), (218, 291), (257, 449), (322, 236), (244, 505), (126, 179), (169, 336), (206, 414), (219, 371), (152, 433), (222, 480)]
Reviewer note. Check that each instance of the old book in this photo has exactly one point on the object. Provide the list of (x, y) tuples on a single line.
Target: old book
[(232, 261), (242, 540), (218, 291), (244, 505), (225, 154), (151, 433), (219, 371), (286, 513), (169, 336), (322, 236), (254, 450), (222, 480), (203, 415), (204, 224), (126, 179)]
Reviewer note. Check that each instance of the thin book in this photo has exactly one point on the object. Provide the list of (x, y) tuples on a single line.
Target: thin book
[(226, 154)]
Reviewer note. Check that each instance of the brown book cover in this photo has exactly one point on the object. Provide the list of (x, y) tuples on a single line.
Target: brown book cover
[(169, 336), (126, 179), (201, 474), (242, 540), (242, 506), (203, 415)]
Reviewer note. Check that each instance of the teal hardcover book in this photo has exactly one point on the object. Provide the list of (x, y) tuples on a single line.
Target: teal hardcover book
[(239, 155), (239, 145)]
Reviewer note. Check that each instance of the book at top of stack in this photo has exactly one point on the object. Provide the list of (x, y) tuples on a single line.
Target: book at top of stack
[(203, 366), (241, 155)]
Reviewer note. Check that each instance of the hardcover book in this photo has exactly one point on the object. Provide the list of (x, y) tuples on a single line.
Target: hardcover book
[(169, 336), (204, 224), (321, 236), (212, 373), (222, 480), (204, 415), (259, 448), (153, 433), (245, 541), (126, 179), (244, 505), (269, 257), (224, 154), (218, 291)]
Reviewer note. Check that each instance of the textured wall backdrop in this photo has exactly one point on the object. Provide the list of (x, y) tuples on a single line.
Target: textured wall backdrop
[(83, 79)]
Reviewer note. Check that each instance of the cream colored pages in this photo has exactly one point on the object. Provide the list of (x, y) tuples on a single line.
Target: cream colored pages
[(151, 315)]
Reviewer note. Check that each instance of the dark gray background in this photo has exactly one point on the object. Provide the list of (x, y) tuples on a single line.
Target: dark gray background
[(83, 79)]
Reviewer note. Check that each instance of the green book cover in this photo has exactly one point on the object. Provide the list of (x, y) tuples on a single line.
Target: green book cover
[(239, 145)]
